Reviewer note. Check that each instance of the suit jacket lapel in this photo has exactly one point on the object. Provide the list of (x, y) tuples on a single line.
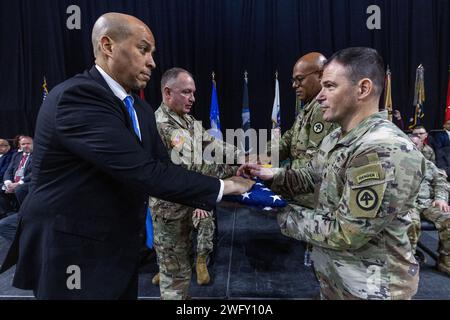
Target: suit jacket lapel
[(98, 78)]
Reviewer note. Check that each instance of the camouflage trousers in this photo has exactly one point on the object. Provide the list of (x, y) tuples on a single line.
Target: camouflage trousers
[(442, 222), (173, 246), (205, 234)]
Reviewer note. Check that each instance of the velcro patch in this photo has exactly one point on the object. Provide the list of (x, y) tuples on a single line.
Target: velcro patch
[(367, 186), (365, 173), (367, 176), (365, 202), (177, 141)]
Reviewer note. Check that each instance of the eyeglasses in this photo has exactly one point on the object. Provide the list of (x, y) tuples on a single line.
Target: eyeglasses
[(299, 79)]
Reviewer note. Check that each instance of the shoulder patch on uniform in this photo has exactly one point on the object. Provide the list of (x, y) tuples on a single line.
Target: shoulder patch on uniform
[(367, 199), (318, 127), (372, 171), (365, 202), (367, 184), (177, 139)]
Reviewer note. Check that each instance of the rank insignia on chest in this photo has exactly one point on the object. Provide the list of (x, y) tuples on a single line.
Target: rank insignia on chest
[(318, 127)]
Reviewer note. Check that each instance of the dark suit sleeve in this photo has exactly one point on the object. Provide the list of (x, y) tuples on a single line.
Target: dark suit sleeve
[(443, 160), (93, 127), (9, 173), (5, 161)]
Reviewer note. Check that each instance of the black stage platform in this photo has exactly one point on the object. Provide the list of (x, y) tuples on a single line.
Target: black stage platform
[(254, 260)]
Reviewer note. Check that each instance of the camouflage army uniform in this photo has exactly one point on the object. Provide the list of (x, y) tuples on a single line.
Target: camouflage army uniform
[(433, 187), (366, 184), (428, 153), (301, 142), (173, 222)]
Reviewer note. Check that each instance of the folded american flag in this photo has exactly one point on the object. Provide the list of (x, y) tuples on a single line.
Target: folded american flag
[(260, 196)]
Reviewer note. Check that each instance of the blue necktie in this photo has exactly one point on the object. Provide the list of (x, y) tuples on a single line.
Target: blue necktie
[(149, 229), (129, 104), (148, 221)]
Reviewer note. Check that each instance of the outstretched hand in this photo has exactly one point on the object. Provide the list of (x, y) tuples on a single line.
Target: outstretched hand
[(249, 170), (237, 185)]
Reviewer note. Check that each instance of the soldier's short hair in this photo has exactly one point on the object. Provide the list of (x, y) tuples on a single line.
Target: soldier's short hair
[(171, 75), (419, 126), (361, 62)]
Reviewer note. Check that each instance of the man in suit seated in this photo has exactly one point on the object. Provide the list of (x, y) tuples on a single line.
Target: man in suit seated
[(16, 177), (442, 138), (6, 154), (443, 160)]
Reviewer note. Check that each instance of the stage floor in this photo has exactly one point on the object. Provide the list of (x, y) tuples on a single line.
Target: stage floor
[(253, 260)]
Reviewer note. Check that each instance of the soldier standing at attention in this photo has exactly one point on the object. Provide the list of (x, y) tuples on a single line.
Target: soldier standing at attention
[(366, 177), (173, 223), (300, 142)]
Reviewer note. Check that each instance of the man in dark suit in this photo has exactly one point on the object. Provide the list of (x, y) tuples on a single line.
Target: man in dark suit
[(97, 159), (6, 154), (16, 177), (443, 160), (442, 138)]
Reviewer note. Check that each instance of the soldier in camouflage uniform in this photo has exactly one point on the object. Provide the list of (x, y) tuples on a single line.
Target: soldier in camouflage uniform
[(432, 204), (366, 178), (300, 142), (173, 223), (426, 150)]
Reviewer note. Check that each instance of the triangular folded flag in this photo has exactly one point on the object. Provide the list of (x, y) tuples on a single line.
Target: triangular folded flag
[(260, 196)]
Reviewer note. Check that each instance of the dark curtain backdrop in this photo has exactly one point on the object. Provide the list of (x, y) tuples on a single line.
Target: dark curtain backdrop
[(229, 37)]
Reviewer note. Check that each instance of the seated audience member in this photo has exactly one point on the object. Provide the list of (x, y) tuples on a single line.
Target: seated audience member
[(16, 178), (426, 150), (432, 204), (397, 119), (443, 159), (6, 154), (442, 138), (16, 142)]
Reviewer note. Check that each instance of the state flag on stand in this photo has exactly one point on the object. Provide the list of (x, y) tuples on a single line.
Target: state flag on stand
[(276, 127), (44, 89), (419, 98), (388, 93), (214, 112), (245, 113)]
